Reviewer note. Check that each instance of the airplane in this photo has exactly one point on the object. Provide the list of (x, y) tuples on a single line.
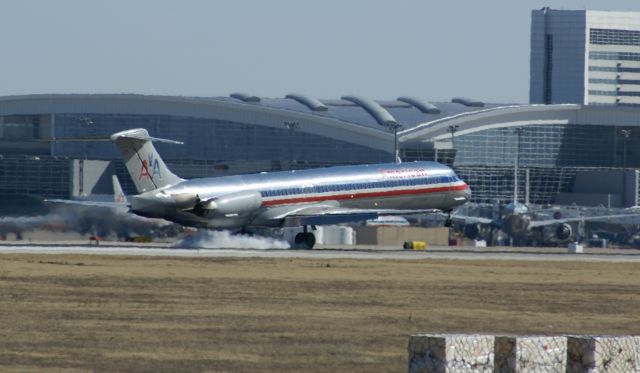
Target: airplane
[(286, 198), (529, 225), (95, 207), (118, 193), (119, 203)]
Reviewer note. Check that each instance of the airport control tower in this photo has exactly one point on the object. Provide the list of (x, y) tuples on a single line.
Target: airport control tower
[(585, 57)]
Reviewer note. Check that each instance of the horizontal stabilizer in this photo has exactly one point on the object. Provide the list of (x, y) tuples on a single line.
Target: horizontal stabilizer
[(77, 202)]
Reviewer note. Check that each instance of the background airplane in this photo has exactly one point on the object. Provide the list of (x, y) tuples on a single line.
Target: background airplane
[(526, 225), (119, 202), (290, 198), (103, 215)]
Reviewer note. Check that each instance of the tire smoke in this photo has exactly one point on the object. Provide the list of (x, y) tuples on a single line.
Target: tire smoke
[(204, 239), (102, 222)]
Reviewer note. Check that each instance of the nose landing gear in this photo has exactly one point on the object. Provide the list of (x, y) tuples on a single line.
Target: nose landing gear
[(448, 222)]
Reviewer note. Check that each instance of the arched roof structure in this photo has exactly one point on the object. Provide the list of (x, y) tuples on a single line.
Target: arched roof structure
[(345, 119), (521, 116)]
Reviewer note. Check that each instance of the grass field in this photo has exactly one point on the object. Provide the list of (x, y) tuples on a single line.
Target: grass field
[(79, 313)]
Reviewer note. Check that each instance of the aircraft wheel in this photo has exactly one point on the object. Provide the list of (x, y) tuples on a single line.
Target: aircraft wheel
[(306, 239), (309, 240)]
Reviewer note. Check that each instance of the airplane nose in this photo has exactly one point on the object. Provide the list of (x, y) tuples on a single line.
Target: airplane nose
[(467, 191), (462, 194)]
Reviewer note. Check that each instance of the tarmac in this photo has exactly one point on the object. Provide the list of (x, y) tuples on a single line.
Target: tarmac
[(323, 252)]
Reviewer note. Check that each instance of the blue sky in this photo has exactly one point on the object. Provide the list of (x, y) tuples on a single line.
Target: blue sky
[(433, 50)]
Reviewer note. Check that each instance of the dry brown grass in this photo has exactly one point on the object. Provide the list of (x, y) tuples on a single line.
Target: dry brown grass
[(78, 313)]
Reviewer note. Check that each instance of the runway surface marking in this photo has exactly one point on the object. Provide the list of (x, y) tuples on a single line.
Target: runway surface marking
[(610, 256)]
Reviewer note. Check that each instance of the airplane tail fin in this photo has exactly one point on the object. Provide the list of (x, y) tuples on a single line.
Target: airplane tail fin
[(147, 169), (118, 193)]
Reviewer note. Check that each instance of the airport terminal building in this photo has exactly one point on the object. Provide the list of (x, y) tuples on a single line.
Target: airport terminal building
[(585, 57), (576, 142), (565, 153)]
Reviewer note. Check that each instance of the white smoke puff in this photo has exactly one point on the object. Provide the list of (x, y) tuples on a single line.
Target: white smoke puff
[(25, 223), (103, 222), (204, 239)]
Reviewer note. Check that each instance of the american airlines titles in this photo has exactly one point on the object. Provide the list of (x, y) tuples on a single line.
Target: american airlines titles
[(403, 173)]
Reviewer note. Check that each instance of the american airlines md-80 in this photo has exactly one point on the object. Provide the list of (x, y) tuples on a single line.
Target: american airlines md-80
[(287, 198)]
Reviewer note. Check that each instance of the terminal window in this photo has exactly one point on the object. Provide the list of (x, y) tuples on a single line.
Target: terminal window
[(19, 127)]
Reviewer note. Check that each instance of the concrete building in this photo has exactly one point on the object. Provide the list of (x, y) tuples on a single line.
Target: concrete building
[(585, 57)]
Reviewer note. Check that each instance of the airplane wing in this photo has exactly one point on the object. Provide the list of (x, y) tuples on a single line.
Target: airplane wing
[(331, 213), (542, 223), (112, 205), (470, 219), (119, 199)]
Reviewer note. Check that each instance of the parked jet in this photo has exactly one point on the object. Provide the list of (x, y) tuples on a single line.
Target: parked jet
[(119, 202), (530, 226), (301, 198), (95, 209)]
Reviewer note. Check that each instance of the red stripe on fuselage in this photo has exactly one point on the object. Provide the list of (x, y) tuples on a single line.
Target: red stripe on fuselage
[(355, 195)]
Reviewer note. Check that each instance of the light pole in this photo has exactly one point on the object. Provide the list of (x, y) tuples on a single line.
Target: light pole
[(291, 126), (452, 130), (625, 136), (85, 123), (519, 131), (395, 127)]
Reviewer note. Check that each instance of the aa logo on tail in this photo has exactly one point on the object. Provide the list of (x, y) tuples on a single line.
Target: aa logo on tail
[(149, 168)]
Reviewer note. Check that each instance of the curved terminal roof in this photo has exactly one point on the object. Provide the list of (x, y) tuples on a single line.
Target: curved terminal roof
[(245, 97), (511, 116), (343, 119), (310, 102), (348, 113), (467, 102), (382, 116), (423, 106)]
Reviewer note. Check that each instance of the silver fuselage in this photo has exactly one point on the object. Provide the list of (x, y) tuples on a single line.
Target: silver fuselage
[(410, 186)]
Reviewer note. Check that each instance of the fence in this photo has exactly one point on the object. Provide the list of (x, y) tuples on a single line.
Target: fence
[(491, 353)]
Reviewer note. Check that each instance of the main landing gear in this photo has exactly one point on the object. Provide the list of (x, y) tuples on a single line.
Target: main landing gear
[(305, 239)]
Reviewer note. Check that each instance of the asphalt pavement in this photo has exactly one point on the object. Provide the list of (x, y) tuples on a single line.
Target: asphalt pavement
[(327, 252)]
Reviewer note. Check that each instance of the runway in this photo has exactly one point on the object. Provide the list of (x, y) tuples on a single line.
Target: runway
[(374, 253)]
